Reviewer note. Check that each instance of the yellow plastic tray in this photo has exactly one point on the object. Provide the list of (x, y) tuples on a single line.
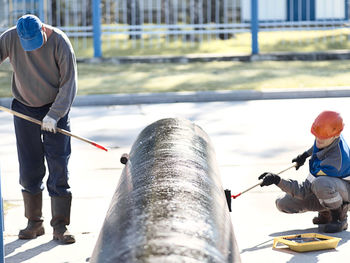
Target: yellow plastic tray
[(307, 242)]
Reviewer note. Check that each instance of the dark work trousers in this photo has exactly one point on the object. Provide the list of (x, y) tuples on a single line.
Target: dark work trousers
[(35, 145)]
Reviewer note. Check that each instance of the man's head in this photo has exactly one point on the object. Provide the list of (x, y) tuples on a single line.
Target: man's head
[(29, 30), (326, 128)]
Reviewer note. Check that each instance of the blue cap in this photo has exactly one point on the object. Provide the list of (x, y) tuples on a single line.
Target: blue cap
[(29, 32)]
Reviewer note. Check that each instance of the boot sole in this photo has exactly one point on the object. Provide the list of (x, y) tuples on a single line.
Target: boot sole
[(345, 227), (321, 223), (38, 233), (68, 241)]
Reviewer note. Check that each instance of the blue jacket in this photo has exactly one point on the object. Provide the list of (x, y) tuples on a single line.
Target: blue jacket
[(333, 160)]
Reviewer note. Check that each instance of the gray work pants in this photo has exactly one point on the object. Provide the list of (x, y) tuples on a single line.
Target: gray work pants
[(322, 193)]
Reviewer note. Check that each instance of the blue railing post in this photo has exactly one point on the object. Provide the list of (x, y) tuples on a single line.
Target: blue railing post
[(96, 23), (254, 23), (2, 253), (41, 11)]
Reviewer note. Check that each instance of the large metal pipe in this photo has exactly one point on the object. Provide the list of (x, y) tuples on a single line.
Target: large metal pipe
[(169, 205)]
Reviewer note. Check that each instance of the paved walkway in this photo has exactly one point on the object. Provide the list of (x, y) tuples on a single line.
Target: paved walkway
[(249, 137)]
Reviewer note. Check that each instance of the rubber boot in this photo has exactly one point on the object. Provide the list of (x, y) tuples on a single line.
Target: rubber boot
[(60, 208), (324, 217), (339, 220), (32, 210)]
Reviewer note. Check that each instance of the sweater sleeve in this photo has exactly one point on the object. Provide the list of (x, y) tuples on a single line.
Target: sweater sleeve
[(4, 45), (66, 62)]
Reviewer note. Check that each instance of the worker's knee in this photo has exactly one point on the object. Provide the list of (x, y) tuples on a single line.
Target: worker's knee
[(325, 190), (280, 205), (321, 185), (285, 206)]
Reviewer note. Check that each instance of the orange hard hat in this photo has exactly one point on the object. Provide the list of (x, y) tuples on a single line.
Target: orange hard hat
[(328, 124)]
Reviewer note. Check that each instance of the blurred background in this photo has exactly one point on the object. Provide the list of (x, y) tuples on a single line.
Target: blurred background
[(112, 28)]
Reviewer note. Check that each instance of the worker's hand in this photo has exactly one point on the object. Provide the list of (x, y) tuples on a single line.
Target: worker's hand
[(300, 160), (269, 179), (49, 124)]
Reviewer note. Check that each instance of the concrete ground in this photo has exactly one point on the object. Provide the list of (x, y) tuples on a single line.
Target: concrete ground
[(250, 137)]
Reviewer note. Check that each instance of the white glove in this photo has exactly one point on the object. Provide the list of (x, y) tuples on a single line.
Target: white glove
[(49, 124)]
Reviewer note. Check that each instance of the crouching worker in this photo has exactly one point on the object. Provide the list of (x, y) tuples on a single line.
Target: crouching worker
[(327, 188)]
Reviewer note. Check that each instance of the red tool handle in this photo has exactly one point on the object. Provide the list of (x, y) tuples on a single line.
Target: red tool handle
[(25, 117)]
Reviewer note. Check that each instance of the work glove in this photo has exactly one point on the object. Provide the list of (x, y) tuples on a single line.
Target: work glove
[(49, 124), (300, 160), (269, 179)]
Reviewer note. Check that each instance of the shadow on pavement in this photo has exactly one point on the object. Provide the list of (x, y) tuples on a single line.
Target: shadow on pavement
[(28, 254), (12, 246), (296, 232), (263, 245)]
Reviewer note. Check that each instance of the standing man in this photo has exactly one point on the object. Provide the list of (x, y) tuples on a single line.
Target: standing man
[(44, 85), (327, 188)]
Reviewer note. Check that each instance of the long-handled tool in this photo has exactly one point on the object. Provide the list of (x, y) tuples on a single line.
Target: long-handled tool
[(250, 188), (65, 132)]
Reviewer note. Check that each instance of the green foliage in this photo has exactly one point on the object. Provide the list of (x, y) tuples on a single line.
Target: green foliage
[(275, 41), (7, 205), (137, 78)]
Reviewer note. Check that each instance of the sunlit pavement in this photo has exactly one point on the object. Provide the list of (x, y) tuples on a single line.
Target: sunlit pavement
[(249, 137)]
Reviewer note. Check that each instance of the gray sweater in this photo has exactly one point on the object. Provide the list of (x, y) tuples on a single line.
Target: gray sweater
[(45, 75)]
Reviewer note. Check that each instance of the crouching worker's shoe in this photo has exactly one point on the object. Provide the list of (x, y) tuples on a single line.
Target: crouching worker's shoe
[(324, 217), (339, 220), (32, 211), (60, 208)]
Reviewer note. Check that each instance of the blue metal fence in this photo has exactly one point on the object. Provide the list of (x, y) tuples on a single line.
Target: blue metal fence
[(97, 28), (151, 22), (255, 26)]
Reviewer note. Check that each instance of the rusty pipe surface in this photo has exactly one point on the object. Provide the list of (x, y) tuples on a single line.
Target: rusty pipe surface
[(169, 205)]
